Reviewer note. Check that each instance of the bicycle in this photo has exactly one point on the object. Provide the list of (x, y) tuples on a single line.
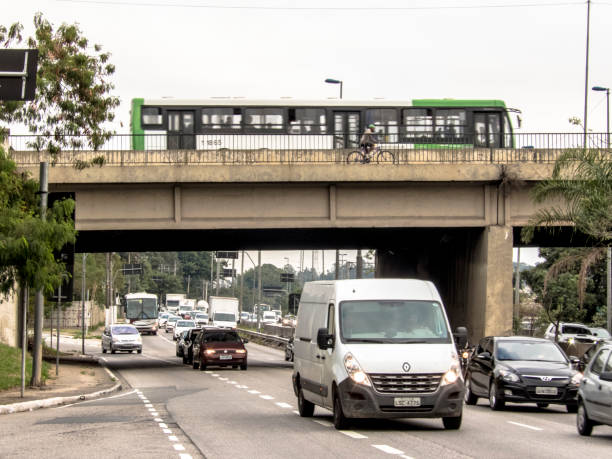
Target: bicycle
[(363, 157)]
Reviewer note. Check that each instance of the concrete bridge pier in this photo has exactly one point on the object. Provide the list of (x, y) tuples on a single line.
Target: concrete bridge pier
[(472, 269)]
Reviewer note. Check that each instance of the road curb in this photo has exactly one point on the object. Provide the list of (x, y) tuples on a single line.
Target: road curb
[(31, 405)]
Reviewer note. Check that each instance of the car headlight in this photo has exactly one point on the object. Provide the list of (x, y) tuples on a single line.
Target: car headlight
[(210, 351), (354, 370), (240, 351), (509, 376), (576, 379)]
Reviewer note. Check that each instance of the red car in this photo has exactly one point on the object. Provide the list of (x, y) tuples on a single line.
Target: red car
[(219, 347)]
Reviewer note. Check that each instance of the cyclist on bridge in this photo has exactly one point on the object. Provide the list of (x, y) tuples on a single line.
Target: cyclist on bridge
[(368, 140)]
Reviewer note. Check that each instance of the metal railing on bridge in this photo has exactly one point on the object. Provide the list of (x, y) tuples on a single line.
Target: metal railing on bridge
[(253, 149)]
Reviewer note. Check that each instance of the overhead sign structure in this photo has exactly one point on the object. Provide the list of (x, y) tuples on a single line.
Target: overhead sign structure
[(18, 74), (287, 277), (132, 268), (273, 290), (233, 255), (229, 272)]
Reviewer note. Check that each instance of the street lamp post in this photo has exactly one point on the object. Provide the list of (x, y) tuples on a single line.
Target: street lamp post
[(607, 90), (334, 81)]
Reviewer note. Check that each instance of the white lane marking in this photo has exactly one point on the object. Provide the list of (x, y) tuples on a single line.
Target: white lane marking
[(166, 431), (242, 387), (158, 420), (215, 375), (350, 433), (323, 423), (163, 425), (266, 397), (232, 382), (254, 392), (185, 456), (154, 413), (151, 409), (223, 379), (388, 449), (406, 457), (179, 447), (296, 412), (524, 425), (208, 372), (172, 438), (148, 405), (283, 405), (159, 360), (95, 400)]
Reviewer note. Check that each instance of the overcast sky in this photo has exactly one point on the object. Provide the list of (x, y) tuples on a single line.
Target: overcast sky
[(529, 53)]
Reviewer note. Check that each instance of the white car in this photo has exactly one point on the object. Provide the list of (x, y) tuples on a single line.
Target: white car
[(181, 326), (570, 333), (121, 337), (201, 318), (161, 319), (171, 322), (268, 317)]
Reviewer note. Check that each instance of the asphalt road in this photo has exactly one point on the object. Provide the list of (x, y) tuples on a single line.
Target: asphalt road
[(222, 413)]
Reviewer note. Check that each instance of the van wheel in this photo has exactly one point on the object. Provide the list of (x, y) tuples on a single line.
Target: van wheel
[(495, 402), (340, 421), (469, 397), (305, 408), (452, 423)]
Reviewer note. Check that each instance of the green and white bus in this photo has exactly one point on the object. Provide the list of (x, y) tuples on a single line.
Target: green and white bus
[(247, 124)]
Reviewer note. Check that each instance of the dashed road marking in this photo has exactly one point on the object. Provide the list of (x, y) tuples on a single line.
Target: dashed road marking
[(254, 392), (163, 425), (172, 438), (232, 382), (148, 405), (524, 425), (266, 397), (158, 420), (283, 405), (296, 412), (167, 431), (154, 413), (185, 456), (222, 379), (350, 433), (178, 447), (242, 387), (388, 449), (215, 375), (323, 423)]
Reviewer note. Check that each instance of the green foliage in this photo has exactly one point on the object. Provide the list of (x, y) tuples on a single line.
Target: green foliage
[(72, 102), (10, 367), (27, 242), (581, 183)]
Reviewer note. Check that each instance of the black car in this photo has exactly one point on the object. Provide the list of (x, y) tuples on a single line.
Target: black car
[(521, 370), (184, 344), (289, 350)]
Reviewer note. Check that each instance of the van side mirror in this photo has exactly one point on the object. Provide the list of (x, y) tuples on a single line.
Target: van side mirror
[(324, 339)]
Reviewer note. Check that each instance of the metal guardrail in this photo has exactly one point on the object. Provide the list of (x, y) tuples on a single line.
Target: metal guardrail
[(271, 338), (296, 149)]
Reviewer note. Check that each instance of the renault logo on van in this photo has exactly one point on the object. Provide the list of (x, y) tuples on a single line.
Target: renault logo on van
[(406, 367)]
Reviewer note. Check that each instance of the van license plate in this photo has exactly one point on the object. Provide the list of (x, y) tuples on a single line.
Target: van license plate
[(546, 391), (225, 357), (407, 401)]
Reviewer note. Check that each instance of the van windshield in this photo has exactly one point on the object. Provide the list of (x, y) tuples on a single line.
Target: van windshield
[(393, 321)]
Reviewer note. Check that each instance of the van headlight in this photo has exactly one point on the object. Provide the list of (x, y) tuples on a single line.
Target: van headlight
[(354, 370), (454, 373)]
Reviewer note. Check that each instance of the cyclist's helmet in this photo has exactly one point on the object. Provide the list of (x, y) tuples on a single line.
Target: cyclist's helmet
[(371, 126)]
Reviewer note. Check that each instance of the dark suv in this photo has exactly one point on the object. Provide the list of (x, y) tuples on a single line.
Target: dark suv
[(521, 370), (219, 347)]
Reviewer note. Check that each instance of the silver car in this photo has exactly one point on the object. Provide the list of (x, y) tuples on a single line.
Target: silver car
[(595, 392), (121, 337)]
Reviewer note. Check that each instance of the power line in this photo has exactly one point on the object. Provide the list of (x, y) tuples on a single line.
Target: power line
[(311, 8)]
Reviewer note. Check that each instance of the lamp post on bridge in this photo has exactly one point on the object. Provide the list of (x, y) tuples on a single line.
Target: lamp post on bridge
[(334, 81), (607, 90)]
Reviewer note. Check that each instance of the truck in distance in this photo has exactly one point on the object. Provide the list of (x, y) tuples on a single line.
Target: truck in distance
[(173, 300), (223, 311)]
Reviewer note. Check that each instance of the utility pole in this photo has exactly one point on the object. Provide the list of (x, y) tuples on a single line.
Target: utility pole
[(258, 288), (217, 287), (39, 308), (108, 294), (359, 265), (609, 290), (241, 281), (586, 73), (337, 264), (84, 327), (517, 287)]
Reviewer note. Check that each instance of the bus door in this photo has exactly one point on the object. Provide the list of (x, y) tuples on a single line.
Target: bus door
[(181, 130), (487, 129), (346, 129)]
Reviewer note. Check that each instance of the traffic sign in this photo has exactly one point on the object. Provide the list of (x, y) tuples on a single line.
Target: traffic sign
[(287, 277), (229, 272), (18, 74), (132, 268), (226, 254)]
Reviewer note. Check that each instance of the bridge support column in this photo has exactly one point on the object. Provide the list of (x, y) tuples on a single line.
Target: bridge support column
[(490, 284)]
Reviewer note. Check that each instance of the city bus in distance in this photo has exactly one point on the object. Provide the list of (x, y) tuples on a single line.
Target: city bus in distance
[(141, 311), (247, 124)]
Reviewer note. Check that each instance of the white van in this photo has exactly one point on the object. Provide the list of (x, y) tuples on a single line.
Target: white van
[(376, 348)]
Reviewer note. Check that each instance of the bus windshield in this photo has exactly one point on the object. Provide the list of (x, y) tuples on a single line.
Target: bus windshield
[(393, 321), (141, 308)]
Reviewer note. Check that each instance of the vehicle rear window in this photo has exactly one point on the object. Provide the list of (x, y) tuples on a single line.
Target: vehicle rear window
[(185, 323), (221, 337)]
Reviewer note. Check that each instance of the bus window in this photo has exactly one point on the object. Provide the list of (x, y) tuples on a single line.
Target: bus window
[(151, 116), (417, 125), (307, 121), (264, 118), (221, 118), (450, 125), (386, 123)]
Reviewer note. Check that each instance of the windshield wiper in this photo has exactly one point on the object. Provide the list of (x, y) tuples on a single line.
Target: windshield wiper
[(365, 340)]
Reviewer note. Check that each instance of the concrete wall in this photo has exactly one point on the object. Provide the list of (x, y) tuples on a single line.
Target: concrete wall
[(71, 316), (8, 320)]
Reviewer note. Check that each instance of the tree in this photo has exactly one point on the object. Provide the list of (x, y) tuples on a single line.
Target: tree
[(27, 243), (72, 102), (581, 184)]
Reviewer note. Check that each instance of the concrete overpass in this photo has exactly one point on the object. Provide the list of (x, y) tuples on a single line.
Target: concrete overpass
[(454, 222)]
